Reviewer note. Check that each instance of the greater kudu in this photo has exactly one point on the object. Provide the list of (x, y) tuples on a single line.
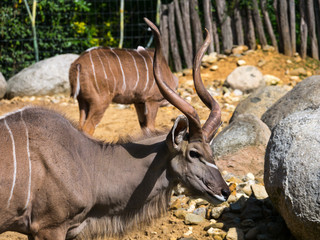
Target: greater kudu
[(57, 183), (104, 75)]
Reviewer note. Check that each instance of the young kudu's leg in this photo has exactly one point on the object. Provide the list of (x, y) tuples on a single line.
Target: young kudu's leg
[(94, 116), (147, 113), (83, 110)]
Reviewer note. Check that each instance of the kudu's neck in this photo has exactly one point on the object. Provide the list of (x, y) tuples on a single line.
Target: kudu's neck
[(129, 176), (131, 185)]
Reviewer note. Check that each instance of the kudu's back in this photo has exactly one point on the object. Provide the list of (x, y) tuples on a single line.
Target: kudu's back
[(39, 161), (104, 75)]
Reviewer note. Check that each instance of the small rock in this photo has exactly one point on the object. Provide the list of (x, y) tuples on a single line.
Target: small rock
[(216, 212), (252, 233), (219, 225), (193, 219), (241, 62), (180, 213), (268, 48), (237, 92), (237, 207), (201, 211), (271, 80), (248, 223), (247, 189), (189, 232), (259, 191), (214, 68), (261, 63), (232, 199), (217, 232), (235, 234), (211, 58), (298, 72), (249, 176)]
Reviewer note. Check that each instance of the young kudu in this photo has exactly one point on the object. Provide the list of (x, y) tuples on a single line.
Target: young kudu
[(57, 183), (104, 75)]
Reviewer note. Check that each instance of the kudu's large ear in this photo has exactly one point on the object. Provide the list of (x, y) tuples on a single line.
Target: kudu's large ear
[(177, 133)]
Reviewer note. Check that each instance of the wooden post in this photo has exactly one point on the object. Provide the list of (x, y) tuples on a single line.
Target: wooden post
[(258, 23), (303, 29), (312, 30), (292, 21), (196, 25), (185, 12), (238, 24), (249, 27), (185, 51), (268, 24), (208, 21), (164, 29), (284, 26), (225, 21), (215, 36), (173, 39)]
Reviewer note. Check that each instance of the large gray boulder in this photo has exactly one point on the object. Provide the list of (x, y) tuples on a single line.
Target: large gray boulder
[(3, 86), (46, 77), (304, 95), (245, 78), (259, 101), (240, 147), (292, 172)]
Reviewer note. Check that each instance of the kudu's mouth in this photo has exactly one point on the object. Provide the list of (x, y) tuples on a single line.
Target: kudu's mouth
[(210, 191)]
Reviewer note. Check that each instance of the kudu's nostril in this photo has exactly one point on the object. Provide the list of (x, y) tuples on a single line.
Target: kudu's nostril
[(225, 193)]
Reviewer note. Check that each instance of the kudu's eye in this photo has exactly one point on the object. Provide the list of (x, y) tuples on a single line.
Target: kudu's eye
[(194, 154)]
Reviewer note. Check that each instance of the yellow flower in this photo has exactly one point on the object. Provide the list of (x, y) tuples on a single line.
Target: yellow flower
[(80, 27)]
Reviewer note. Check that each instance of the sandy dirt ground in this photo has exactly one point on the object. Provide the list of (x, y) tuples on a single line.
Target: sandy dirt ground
[(121, 121)]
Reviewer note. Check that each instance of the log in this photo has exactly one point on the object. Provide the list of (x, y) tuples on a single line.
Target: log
[(312, 30), (303, 29), (249, 29), (215, 36), (225, 22), (238, 24), (268, 24), (173, 39), (164, 29), (208, 21), (185, 51), (258, 23), (185, 12), (196, 25), (284, 27), (292, 23)]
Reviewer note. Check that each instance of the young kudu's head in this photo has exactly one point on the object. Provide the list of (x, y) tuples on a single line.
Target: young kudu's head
[(193, 163)]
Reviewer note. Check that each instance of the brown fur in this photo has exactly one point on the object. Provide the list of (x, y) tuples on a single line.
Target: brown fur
[(104, 75), (57, 183)]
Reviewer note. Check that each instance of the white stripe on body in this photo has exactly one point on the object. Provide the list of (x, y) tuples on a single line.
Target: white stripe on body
[(78, 82), (154, 81), (11, 113), (114, 80), (14, 162), (94, 71), (104, 71), (92, 48), (29, 160), (135, 64), (145, 62), (123, 76)]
